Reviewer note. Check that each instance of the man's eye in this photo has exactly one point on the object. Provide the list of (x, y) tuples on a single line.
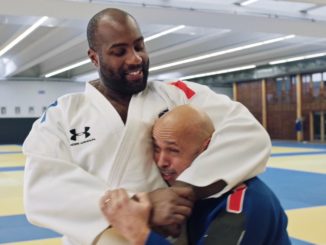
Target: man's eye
[(139, 47), (156, 149), (173, 150), (119, 52)]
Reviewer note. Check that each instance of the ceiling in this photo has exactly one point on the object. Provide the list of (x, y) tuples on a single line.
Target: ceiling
[(209, 27)]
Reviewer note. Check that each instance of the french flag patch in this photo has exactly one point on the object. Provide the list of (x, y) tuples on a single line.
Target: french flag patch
[(181, 85), (235, 199)]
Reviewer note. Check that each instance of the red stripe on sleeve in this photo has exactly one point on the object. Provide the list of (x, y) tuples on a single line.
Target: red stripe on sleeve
[(181, 85), (235, 199)]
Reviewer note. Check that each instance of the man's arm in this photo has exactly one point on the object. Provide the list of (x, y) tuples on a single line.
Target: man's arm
[(170, 209), (56, 198), (171, 205), (59, 194), (239, 148)]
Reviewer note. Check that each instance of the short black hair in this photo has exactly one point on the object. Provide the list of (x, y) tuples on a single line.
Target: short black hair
[(114, 13)]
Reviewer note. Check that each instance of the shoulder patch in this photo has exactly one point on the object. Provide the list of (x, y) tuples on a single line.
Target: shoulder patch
[(235, 199), (181, 85), (55, 103)]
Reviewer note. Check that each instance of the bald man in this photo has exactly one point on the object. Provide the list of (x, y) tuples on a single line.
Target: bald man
[(178, 138), (248, 214)]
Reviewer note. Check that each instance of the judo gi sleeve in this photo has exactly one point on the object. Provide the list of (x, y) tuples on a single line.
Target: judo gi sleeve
[(239, 148), (59, 194)]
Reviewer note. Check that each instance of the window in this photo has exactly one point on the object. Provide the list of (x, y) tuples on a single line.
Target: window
[(17, 110), (31, 110), (3, 110)]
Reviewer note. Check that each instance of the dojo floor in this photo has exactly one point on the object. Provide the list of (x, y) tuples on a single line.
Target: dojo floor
[(296, 172)]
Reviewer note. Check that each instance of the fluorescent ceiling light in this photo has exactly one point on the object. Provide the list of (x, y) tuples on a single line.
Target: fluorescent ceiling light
[(219, 72), (88, 60), (297, 58), (23, 35), (218, 53), (248, 2), (164, 33), (83, 62)]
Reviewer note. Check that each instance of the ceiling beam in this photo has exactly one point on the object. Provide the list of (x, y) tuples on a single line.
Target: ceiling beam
[(32, 55), (319, 2), (169, 16), (263, 72)]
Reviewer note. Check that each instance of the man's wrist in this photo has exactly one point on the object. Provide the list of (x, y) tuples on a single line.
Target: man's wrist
[(141, 237), (193, 196)]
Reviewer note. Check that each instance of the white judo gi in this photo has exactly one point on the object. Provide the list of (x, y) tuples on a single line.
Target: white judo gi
[(80, 148)]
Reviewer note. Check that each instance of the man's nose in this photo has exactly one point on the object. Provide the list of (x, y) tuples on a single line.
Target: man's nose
[(134, 58), (163, 161)]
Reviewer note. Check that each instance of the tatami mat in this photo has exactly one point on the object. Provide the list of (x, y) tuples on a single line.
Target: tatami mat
[(308, 224), (296, 173), (54, 241)]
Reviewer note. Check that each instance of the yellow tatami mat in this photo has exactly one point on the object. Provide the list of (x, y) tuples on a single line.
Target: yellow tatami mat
[(10, 148), (308, 224), (308, 163), (12, 160), (54, 241), (11, 193), (277, 149)]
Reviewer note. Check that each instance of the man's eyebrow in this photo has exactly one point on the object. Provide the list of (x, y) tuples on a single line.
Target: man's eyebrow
[(170, 143), (165, 141), (139, 39), (117, 45)]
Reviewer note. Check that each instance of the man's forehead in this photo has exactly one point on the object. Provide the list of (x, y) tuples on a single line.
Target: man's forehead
[(118, 23)]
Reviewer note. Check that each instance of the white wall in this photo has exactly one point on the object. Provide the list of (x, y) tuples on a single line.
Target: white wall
[(40, 95), (27, 95)]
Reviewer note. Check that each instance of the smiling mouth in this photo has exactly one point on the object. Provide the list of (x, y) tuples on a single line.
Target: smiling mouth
[(134, 75)]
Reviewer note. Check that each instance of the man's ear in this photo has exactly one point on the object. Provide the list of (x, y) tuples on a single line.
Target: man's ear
[(205, 144), (93, 56)]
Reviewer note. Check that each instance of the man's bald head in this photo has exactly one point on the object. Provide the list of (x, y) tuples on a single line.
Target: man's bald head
[(179, 136), (186, 120), (111, 15)]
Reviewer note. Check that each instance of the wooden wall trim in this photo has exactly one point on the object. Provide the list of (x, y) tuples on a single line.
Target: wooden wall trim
[(264, 103), (235, 91), (322, 126), (299, 104)]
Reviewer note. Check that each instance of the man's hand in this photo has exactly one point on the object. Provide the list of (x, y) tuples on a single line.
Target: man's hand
[(128, 216), (171, 206)]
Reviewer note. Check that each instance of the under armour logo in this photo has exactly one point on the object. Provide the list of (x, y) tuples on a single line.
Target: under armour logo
[(75, 134)]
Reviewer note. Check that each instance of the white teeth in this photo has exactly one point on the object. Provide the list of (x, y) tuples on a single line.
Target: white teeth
[(134, 72)]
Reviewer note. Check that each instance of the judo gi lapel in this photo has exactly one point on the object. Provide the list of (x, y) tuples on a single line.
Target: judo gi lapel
[(133, 146)]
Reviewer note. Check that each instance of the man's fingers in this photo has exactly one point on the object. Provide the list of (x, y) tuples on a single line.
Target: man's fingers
[(143, 198), (185, 192), (178, 219), (182, 210), (104, 199), (184, 202)]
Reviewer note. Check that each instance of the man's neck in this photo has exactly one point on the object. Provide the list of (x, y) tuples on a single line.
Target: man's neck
[(119, 101)]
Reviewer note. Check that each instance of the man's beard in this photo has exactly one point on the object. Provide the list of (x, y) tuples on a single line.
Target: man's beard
[(118, 81)]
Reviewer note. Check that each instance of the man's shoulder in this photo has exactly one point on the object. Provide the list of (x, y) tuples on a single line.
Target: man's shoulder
[(67, 102), (189, 89), (62, 106), (71, 97)]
